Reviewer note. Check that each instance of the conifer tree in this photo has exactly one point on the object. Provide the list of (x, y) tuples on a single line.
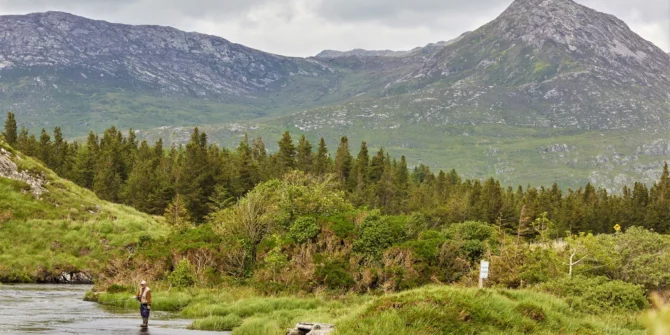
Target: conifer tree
[(59, 152), (85, 161), (286, 154), (10, 133), (44, 148), (343, 160), (362, 162), (304, 157), (176, 214), (140, 184), (321, 160)]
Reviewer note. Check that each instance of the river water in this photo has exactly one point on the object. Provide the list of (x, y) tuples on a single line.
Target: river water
[(59, 309)]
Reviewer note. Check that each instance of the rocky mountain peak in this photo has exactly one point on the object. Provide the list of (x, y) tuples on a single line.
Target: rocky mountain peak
[(577, 29)]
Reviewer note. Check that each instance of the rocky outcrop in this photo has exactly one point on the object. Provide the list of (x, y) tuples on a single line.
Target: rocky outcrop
[(9, 169), (70, 278)]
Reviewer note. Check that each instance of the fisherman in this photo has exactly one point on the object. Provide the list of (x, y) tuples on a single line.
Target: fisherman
[(144, 297)]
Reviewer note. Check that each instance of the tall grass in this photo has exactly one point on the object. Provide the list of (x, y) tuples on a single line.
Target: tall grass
[(427, 310)]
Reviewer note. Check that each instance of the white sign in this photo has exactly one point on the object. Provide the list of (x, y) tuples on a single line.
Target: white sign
[(484, 270)]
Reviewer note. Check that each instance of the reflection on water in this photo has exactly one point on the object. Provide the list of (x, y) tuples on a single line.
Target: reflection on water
[(59, 309)]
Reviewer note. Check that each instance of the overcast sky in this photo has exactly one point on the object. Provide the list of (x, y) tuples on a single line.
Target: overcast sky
[(305, 27)]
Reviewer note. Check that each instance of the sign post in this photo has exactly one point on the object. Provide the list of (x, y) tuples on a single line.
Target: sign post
[(483, 273)]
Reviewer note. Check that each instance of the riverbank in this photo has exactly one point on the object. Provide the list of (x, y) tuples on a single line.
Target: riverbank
[(427, 310)]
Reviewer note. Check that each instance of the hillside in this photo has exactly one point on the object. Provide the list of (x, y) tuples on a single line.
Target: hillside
[(51, 229), (551, 83)]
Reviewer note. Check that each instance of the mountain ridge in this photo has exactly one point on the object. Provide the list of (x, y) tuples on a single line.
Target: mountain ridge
[(542, 67)]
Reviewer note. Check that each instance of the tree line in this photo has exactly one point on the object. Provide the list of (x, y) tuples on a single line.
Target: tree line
[(203, 178)]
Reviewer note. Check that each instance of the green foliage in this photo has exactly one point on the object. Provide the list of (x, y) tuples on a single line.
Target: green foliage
[(10, 133), (183, 275), (377, 233), (342, 225), (598, 295), (335, 275), (304, 229), (176, 213), (472, 237)]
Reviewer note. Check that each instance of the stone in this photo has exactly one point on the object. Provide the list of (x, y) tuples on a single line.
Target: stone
[(308, 328)]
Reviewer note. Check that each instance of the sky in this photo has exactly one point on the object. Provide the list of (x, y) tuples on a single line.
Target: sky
[(305, 27)]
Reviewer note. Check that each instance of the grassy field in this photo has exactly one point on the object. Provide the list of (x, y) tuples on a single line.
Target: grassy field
[(427, 310), (67, 229)]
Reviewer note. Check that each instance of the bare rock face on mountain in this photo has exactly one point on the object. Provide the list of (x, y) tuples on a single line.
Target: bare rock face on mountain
[(163, 58), (548, 63)]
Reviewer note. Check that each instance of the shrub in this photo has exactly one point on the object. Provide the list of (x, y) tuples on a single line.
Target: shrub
[(304, 229), (598, 295), (335, 275), (377, 234), (342, 226), (183, 275), (473, 235)]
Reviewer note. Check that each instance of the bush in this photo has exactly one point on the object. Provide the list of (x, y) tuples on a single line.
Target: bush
[(342, 226), (598, 295), (335, 275), (183, 275), (473, 235), (304, 229), (378, 234)]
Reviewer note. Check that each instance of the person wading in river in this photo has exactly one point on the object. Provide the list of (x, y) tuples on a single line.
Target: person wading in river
[(144, 297)]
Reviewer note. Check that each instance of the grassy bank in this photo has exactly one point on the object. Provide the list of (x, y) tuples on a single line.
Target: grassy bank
[(427, 310), (66, 229)]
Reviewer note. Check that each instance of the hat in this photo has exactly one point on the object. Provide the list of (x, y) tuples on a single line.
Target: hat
[(143, 282)]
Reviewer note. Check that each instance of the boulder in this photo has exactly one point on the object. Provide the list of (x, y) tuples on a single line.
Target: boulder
[(308, 328)]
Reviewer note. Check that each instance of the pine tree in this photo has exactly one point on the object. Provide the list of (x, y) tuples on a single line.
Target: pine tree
[(286, 154), (192, 182), (247, 169), (176, 214), (44, 148), (362, 162), (376, 167), (85, 161), (321, 160), (59, 152), (140, 184), (10, 133), (343, 160), (304, 158)]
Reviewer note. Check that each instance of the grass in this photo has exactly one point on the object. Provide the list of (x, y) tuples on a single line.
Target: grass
[(67, 229), (427, 310)]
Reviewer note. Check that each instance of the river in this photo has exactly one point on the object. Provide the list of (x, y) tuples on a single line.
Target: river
[(59, 309)]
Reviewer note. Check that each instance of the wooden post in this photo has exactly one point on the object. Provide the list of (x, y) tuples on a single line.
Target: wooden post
[(481, 282)]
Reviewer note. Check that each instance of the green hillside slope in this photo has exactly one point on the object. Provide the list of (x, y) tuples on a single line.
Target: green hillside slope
[(49, 226)]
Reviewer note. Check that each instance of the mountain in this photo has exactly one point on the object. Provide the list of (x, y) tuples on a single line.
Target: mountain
[(551, 83), (59, 67), (360, 53)]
